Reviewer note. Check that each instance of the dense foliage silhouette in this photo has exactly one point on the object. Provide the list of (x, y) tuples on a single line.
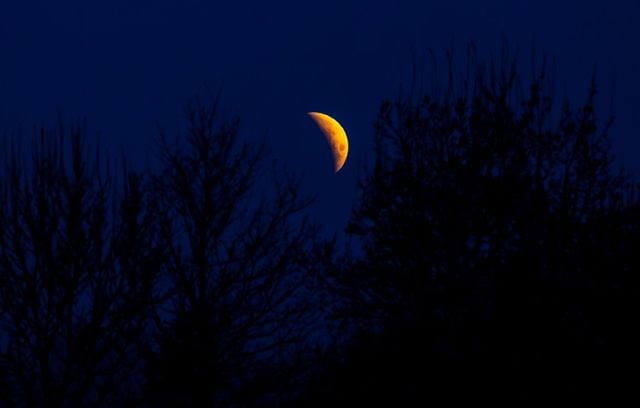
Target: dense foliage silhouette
[(499, 245)]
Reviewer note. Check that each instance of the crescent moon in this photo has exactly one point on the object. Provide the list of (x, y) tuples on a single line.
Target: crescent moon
[(336, 136)]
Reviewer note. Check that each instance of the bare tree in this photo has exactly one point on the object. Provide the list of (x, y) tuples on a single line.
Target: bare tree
[(78, 259), (236, 283)]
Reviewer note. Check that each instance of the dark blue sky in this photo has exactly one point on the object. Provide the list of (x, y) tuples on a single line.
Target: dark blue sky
[(129, 66)]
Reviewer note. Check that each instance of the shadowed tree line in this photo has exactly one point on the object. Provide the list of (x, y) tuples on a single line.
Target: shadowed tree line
[(498, 261), (500, 250), (174, 287)]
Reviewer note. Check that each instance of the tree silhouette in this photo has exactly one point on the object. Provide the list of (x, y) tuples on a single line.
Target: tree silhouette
[(498, 237), (236, 302), (78, 258), (185, 285), (499, 261)]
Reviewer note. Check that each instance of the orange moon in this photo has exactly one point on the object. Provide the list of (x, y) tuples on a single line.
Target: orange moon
[(336, 136)]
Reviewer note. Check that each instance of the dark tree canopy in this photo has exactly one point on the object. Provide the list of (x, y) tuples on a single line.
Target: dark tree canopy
[(236, 266), (498, 237), (184, 285), (498, 261), (77, 266)]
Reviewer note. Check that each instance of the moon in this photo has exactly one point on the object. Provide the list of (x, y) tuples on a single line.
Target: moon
[(336, 136)]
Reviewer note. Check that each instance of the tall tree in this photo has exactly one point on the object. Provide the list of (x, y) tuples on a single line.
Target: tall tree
[(78, 260), (496, 231), (237, 301)]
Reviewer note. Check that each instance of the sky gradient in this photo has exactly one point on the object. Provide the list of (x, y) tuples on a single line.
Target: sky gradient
[(129, 67)]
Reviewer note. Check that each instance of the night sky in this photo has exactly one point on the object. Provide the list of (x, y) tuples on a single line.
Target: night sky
[(129, 67)]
